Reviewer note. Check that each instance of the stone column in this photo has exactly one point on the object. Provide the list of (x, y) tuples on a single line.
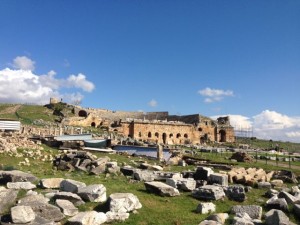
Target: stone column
[(160, 152)]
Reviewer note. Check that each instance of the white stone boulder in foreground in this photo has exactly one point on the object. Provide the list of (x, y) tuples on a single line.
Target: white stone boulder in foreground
[(93, 193), (20, 185), (123, 202), (51, 182), (88, 218), (22, 214), (161, 189)]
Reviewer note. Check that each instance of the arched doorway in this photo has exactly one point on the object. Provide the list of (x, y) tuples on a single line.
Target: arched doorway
[(222, 135), (93, 124), (164, 137), (82, 113), (149, 135)]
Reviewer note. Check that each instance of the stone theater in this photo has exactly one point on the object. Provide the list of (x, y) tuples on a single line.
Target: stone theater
[(156, 127)]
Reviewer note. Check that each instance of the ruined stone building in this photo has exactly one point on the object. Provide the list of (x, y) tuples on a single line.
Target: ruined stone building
[(156, 127)]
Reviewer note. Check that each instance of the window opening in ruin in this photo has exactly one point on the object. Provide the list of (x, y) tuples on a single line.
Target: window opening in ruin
[(186, 136), (222, 135), (171, 135), (199, 129), (82, 113), (140, 134), (156, 135), (178, 135), (164, 137), (93, 124), (149, 135)]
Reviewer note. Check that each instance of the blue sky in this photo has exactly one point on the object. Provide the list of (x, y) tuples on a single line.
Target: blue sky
[(239, 58)]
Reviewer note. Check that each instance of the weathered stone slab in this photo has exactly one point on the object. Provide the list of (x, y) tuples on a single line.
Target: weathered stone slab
[(264, 184), (202, 173), (51, 182), (288, 197), (209, 222), (7, 198), (185, 184), (218, 178), (242, 219), (93, 193), (16, 176), (277, 203), (218, 217), (144, 175), (69, 185), (74, 198), (276, 217), (254, 211), (123, 202), (209, 192), (66, 207), (206, 207), (22, 214), (20, 185), (127, 170), (88, 218), (116, 216), (161, 189), (236, 193), (33, 199)]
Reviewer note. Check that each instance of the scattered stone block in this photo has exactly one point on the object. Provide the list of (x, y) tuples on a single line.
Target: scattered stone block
[(74, 198), (277, 203), (277, 183), (218, 178), (116, 216), (20, 185), (161, 189), (185, 184), (51, 182), (22, 214), (266, 185), (93, 193), (16, 176), (144, 175), (39, 198), (202, 173), (209, 222), (66, 207), (254, 211), (288, 197), (7, 199), (236, 193), (219, 217), (206, 207), (69, 185), (209, 192), (276, 217), (88, 218), (123, 202)]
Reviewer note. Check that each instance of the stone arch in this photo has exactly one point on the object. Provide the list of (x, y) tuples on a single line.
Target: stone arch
[(170, 135), (93, 124), (222, 135), (156, 134), (178, 135), (185, 135), (200, 129), (164, 137), (149, 134), (82, 113)]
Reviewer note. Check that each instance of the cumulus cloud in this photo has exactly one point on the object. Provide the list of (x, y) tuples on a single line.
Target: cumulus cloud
[(24, 86), (152, 103), (23, 63), (214, 95), (267, 125)]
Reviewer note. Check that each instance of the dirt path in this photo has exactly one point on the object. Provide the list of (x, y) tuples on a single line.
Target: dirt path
[(10, 110)]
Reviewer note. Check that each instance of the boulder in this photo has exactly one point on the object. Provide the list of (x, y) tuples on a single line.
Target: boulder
[(116, 216), (206, 207), (74, 198), (277, 203), (264, 184), (161, 189), (93, 193), (202, 173), (21, 185), (123, 202), (185, 184), (7, 198), (51, 182), (209, 222), (128, 170), (271, 193), (66, 207), (218, 178), (88, 218), (209, 192), (254, 211), (39, 198), (22, 214), (69, 185), (16, 176), (277, 183), (144, 175), (297, 210), (219, 217), (236, 193), (288, 197), (242, 219), (276, 217)]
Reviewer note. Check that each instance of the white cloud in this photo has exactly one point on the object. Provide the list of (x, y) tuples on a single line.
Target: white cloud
[(23, 63), (24, 86), (80, 81), (214, 95), (268, 125), (152, 103)]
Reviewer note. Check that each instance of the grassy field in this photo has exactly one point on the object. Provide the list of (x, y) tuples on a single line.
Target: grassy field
[(157, 210)]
